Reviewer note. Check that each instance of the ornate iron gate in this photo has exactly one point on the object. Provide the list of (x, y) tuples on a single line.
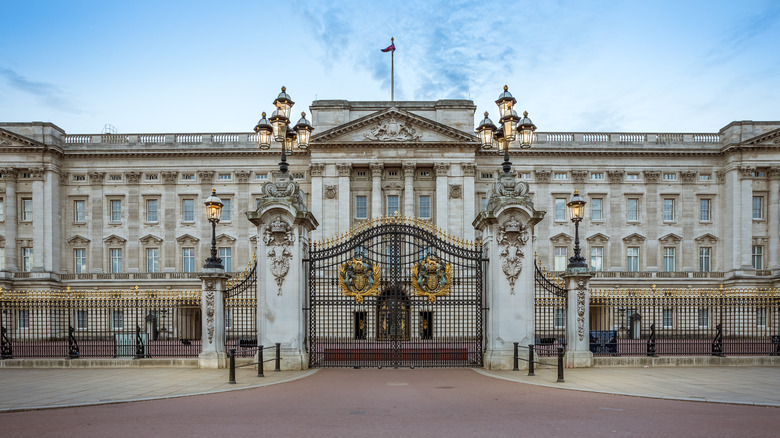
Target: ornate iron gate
[(241, 312), (550, 301), (395, 292)]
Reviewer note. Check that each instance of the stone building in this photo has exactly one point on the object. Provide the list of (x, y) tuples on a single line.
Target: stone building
[(117, 210)]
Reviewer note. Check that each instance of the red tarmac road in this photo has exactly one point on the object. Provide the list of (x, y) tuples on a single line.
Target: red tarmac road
[(399, 403)]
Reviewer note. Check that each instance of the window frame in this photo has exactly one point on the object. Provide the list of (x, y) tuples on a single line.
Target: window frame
[(226, 254), (759, 210), (185, 211), (28, 258), (599, 257), (397, 198), (560, 260), (705, 212), (669, 259), (757, 257), (149, 202), (600, 210), (115, 261), (364, 198), (559, 209), (79, 267), (26, 214), (635, 210), (188, 259), (79, 213), (669, 214), (153, 257), (421, 207), (634, 257), (705, 258), (114, 214), (226, 215)]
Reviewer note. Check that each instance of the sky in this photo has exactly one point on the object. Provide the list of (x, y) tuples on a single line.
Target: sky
[(575, 66)]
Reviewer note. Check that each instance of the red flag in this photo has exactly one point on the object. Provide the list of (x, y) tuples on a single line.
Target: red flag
[(390, 48)]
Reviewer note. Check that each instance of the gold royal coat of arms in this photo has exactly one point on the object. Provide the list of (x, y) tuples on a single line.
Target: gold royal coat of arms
[(359, 278), (431, 278)]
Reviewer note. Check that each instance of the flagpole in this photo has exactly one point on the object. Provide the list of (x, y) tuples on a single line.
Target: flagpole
[(392, 71)]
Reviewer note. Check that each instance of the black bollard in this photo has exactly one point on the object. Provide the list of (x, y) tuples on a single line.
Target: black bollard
[(516, 368), (530, 359), (260, 361), (232, 355), (560, 365), (278, 366)]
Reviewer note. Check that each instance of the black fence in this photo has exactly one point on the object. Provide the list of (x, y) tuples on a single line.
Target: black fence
[(100, 323), (241, 312), (550, 304)]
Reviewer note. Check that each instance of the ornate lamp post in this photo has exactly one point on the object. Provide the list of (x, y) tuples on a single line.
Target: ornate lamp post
[(510, 126), (213, 213), (278, 127), (576, 212)]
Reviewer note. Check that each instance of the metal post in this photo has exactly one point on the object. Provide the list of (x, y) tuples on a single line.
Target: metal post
[(560, 365), (278, 357), (232, 355), (516, 368), (260, 361), (530, 359)]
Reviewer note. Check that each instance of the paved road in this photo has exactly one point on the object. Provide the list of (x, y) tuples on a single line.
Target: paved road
[(399, 403)]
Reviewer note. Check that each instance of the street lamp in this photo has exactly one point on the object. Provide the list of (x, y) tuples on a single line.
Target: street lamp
[(213, 213), (510, 125), (576, 212), (278, 128)]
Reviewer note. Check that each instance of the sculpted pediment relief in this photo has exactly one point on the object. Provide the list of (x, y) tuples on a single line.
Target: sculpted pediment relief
[(561, 239), (187, 239), (13, 141), (598, 239), (78, 240), (634, 239), (150, 239), (706, 238), (771, 138), (114, 240), (670, 239)]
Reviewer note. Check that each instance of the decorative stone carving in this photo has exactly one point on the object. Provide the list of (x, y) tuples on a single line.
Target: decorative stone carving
[(64, 178), (469, 169), (512, 237), (720, 176), (10, 174), (170, 177), (409, 169), (456, 191), (773, 173), (441, 169), (344, 169), (688, 176), (210, 309), (746, 172), (278, 238), (243, 176), (652, 176), (393, 130), (581, 309), (315, 169), (543, 175), (331, 191), (507, 186), (37, 174), (376, 170), (97, 177), (132, 177), (615, 176), (283, 186), (579, 175), (205, 176)]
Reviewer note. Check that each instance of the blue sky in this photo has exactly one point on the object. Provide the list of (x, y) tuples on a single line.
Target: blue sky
[(169, 66)]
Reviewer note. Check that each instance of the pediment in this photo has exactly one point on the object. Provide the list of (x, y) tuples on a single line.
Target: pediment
[(392, 126), (9, 140), (598, 238), (187, 239), (706, 238), (224, 239), (771, 138), (561, 238), (151, 239), (634, 239), (78, 240), (670, 238), (114, 240)]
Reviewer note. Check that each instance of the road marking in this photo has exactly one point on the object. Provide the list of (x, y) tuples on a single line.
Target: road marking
[(397, 384), (610, 409)]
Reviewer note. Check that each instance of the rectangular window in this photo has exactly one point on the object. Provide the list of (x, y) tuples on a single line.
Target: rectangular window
[(668, 318), (705, 177), (560, 317), (225, 176), (27, 210), (188, 177), (632, 176), (361, 207), (116, 210), (360, 325), (118, 319), (115, 178), (595, 209), (392, 205), (225, 217), (79, 260), (704, 210), (560, 209), (704, 317), (487, 175), (669, 255), (82, 319), (668, 209), (188, 210), (597, 258), (79, 211), (758, 207), (2, 258), (632, 259), (27, 259), (152, 177), (361, 173), (559, 175), (424, 207), (426, 325), (261, 176), (525, 175), (670, 176), (188, 259), (758, 257), (560, 258), (2, 210), (151, 210), (632, 209), (116, 259), (23, 319), (152, 260), (597, 176), (761, 316), (226, 255), (705, 260)]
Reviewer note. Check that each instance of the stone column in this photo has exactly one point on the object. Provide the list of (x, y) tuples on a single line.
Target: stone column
[(376, 189), (11, 220), (616, 220), (409, 169), (469, 206), (212, 304), (773, 218), (39, 221), (167, 217), (654, 214), (345, 197), (315, 169), (283, 227), (134, 220), (506, 229), (442, 189), (744, 227), (578, 353)]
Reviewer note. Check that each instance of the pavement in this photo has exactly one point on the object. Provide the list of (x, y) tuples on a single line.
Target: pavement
[(45, 388)]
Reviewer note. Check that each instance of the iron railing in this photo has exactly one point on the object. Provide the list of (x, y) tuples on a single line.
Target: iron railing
[(241, 313), (550, 304)]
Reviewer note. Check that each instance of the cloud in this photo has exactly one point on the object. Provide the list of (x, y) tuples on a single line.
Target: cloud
[(49, 94)]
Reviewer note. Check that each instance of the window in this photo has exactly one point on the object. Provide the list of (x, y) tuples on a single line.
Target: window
[(152, 260), (705, 254), (392, 173), (483, 202), (525, 175), (2, 258), (487, 175), (704, 318), (632, 176), (225, 217), (188, 210), (758, 174), (361, 207), (597, 258), (188, 177), (597, 176), (705, 177), (560, 317), (668, 210), (758, 257), (116, 210), (228, 319), (559, 262), (704, 210), (595, 209), (669, 264), (79, 211), (82, 319), (2, 210), (151, 210), (224, 176), (560, 209), (427, 173), (632, 259), (115, 178), (152, 177), (424, 207), (79, 178), (559, 175), (361, 173), (188, 259), (27, 259), (115, 254), (392, 205), (118, 319), (26, 210), (226, 255), (670, 176), (668, 320), (632, 209), (79, 260), (761, 316), (23, 319), (758, 207), (261, 176)]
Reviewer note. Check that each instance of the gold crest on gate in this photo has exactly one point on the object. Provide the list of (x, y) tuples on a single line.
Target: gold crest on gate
[(359, 278), (432, 278)]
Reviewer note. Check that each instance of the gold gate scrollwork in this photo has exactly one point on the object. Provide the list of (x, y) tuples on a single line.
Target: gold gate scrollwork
[(359, 278), (432, 278)]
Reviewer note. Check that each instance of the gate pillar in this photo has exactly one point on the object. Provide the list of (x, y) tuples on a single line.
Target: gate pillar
[(506, 228), (283, 226), (578, 354), (212, 305)]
